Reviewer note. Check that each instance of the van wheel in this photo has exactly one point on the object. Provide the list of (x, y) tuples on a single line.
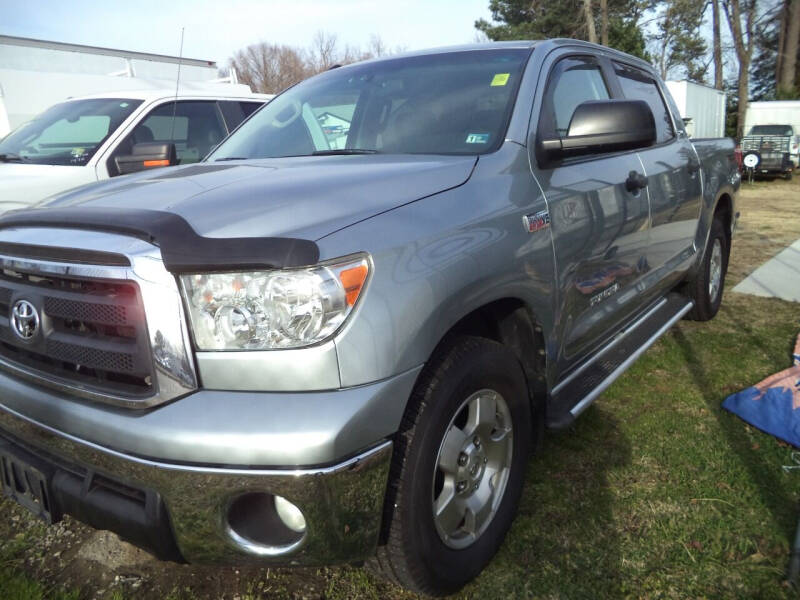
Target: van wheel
[(788, 176), (458, 468), (705, 287)]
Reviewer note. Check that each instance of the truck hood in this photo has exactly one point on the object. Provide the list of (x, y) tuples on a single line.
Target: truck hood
[(23, 185), (303, 197)]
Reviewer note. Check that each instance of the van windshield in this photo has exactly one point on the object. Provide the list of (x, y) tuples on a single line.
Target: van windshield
[(68, 133), (771, 130), (450, 103)]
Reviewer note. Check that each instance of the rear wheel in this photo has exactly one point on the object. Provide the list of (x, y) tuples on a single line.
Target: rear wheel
[(458, 468), (705, 287)]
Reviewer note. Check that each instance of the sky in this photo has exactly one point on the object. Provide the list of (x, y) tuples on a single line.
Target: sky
[(215, 29)]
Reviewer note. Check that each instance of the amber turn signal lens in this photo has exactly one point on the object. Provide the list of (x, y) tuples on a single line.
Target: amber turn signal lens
[(156, 163), (352, 281)]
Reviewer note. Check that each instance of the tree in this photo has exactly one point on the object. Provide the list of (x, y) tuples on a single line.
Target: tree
[(677, 42), (788, 50), (765, 66), (741, 15), (604, 22), (588, 15), (532, 20), (271, 68), (542, 19), (717, 44)]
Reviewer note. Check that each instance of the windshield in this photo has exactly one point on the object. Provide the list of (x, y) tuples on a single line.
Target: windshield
[(451, 103), (68, 133), (771, 130)]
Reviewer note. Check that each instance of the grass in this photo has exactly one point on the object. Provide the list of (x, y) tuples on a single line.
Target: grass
[(654, 493)]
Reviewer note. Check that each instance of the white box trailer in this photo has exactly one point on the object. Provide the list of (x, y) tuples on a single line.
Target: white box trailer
[(777, 112), (35, 74), (702, 108)]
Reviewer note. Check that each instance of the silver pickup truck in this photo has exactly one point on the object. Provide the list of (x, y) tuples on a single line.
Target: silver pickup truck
[(339, 337)]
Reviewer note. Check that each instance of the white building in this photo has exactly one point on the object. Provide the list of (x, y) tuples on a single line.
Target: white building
[(702, 108), (35, 74)]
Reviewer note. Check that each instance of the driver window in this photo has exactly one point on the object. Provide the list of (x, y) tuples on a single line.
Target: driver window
[(574, 81), (195, 127)]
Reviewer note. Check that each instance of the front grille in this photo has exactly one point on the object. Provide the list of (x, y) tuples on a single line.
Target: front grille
[(92, 332)]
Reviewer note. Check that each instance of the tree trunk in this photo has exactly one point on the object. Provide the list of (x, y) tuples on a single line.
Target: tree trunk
[(789, 62), (743, 42), (744, 85), (718, 69), (781, 42), (604, 22), (589, 15)]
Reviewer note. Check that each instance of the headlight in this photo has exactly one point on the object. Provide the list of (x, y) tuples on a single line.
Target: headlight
[(264, 310)]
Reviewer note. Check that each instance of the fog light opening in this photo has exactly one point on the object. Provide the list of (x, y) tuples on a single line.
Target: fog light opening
[(265, 525)]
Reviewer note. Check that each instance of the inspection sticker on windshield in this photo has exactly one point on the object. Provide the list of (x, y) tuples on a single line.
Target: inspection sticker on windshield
[(500, 79), (478, 138)]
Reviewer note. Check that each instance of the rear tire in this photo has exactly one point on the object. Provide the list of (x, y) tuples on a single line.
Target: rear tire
[(462, 449), (706, 286)]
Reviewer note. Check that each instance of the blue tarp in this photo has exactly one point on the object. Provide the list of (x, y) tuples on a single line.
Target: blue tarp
[(773, 405)]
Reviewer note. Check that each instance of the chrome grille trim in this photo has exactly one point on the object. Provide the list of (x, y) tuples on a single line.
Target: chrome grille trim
[(174, 373)]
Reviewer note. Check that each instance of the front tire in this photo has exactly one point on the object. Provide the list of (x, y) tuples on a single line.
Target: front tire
[(706, 286), (458, 469)]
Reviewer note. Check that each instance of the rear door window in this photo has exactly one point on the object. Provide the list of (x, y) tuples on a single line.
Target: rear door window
[(638, 85), (235, 112)]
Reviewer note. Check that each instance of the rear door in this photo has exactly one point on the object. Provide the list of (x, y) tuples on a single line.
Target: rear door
[(599, 228), (673, 183)]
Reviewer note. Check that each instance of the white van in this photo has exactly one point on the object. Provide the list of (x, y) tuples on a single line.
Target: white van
[(92, 138)]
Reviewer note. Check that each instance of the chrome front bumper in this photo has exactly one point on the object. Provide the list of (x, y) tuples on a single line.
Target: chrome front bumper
[(342, 503)]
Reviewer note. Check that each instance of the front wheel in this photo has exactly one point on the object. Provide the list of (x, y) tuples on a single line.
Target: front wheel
[(458, 468), (705, 287)]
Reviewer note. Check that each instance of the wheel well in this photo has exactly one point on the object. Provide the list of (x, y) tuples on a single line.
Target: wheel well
[(508, 321), (724, 209)]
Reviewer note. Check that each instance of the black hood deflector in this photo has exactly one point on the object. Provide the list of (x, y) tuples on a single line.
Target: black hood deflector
[(182, 249)]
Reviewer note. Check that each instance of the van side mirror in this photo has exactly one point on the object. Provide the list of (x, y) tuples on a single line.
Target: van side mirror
[(147, 155), (599, 126)]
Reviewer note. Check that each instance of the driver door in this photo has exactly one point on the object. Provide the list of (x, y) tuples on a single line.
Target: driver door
[(599, 227)]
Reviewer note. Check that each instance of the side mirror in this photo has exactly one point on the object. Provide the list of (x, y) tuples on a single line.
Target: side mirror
[(147, 155), (599, 126)]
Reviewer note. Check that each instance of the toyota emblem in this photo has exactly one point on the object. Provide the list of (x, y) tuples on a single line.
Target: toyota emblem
[(24, 319)]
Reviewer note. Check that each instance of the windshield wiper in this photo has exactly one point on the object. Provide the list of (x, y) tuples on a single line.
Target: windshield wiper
[(343, 151), (230, 158), (9, 157)]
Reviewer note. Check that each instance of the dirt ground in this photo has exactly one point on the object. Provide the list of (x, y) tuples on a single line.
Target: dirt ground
[(768, 223), (98, 565)]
